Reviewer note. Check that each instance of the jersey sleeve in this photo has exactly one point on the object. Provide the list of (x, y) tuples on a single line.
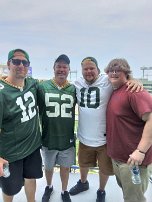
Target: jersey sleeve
[(1, 116), (1, 109), (40, 98)]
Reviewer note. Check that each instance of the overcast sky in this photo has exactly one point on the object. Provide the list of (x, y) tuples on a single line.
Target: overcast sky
[(104, 29)]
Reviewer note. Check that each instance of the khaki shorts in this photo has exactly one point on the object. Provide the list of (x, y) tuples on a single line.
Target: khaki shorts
[(90, 156), (132, 192)]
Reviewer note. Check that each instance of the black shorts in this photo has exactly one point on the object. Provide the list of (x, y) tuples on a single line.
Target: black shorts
[(30, 167)]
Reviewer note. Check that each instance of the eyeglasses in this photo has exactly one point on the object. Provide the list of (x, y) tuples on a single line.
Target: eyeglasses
[(115, 71), (17, 62)]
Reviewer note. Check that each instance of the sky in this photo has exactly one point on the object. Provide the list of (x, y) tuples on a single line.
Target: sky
[(104, 29)]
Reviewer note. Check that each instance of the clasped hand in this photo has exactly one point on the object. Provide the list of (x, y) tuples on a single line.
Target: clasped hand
[(2, 162), (136, 158)]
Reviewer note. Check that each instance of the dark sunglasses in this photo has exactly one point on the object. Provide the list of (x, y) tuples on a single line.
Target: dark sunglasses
[(18, 62)]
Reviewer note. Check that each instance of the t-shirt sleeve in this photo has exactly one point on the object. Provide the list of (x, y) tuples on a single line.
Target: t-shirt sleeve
[(141, 102)]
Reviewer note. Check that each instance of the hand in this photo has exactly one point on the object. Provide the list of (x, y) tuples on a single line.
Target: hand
[(134, 85), (136, 158), (2, 162)]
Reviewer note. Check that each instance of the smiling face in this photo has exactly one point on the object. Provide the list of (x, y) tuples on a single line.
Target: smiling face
[(117, 77), (118, 71), (61, 71), (90, 71), (18, 70)]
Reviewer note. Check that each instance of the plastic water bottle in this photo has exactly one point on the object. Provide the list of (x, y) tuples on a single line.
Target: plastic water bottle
[(6, 170), (135, 175)]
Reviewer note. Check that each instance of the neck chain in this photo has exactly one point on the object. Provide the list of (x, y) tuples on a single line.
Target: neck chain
[(66, 83), (10, 84)]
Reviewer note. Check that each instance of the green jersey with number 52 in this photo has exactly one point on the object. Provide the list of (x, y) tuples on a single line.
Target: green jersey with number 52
[(57, 113), (19, 123)]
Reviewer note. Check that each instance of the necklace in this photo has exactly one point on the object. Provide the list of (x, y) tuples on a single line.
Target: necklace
[(65, 84), (10, 84)]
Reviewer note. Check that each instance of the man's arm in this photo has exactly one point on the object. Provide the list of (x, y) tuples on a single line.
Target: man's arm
[(137, 157), (2, 161), (134, 85)]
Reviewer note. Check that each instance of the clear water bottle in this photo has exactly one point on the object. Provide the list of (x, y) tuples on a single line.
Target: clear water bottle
[(135, 175), (6, 170)]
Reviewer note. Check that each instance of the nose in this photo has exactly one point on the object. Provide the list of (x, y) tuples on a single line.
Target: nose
[(21, 64), (62, 69), (114, 72), (88, 70)]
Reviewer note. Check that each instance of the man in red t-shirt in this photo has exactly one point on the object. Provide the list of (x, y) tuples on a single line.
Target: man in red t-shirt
[(129, 131)]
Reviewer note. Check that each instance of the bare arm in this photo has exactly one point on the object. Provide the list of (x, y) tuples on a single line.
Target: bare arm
[(137, 157), (134, 85)]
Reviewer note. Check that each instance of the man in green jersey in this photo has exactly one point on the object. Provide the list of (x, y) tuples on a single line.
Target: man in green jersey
[(57, 112), (20, 137)]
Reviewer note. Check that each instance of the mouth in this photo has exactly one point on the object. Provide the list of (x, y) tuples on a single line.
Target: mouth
[(21, 72), (115, 77), (89, 76), (61, 74)]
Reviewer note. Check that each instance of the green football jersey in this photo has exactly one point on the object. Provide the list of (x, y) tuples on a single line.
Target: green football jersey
[(19, 123), (57, 113)]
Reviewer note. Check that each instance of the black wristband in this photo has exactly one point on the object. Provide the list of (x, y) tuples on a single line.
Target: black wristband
[(141, 151)]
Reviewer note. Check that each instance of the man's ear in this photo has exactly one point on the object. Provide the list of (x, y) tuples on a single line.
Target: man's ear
[(8, 65)]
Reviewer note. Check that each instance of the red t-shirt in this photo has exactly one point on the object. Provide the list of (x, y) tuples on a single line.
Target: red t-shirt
[(124, 123)]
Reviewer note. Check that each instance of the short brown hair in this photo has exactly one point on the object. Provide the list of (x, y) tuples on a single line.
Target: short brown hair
[(121, 63)]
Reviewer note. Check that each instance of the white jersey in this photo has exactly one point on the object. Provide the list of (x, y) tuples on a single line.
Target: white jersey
[(92, 101)]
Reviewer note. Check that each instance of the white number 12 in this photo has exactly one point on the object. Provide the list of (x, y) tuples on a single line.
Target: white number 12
[(31, 114)]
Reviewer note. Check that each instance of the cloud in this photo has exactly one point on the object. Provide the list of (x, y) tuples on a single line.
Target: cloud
[(102, 28)]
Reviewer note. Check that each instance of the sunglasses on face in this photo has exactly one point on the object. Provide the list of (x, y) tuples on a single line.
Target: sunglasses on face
[(17, 62)]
